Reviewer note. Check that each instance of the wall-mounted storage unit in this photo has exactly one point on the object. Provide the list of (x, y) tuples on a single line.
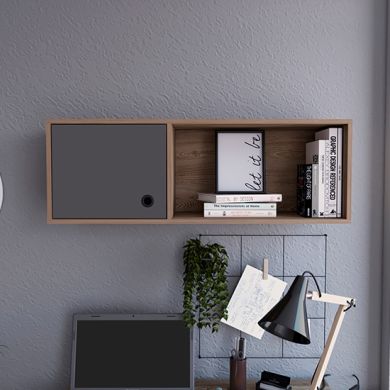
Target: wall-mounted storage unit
[(103, 171)]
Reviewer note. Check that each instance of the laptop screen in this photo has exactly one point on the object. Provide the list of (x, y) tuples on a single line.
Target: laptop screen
[(132, 351)]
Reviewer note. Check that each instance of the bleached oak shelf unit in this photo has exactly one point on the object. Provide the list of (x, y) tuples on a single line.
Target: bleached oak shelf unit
[(190, 167)]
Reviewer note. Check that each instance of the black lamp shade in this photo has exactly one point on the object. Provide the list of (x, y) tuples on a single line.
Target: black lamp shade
[(288, 318)]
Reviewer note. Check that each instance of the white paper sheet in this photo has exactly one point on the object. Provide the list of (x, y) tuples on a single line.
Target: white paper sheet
[(252, 299)]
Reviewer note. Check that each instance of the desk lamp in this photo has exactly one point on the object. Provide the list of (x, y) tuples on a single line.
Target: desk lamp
[(288, 320)]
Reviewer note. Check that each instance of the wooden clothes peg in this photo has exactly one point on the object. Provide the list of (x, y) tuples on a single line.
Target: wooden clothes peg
[(265, 268)]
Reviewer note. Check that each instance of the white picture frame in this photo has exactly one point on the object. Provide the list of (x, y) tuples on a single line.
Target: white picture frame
[(239, 162)]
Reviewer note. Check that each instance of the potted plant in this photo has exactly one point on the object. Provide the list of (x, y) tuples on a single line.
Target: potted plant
[(205, 295)]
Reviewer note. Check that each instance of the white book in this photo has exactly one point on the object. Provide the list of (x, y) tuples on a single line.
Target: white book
[(239, 213), (266, 386), (331, 134), (315, 154), (239, 198), (339, 171), (239, 206)]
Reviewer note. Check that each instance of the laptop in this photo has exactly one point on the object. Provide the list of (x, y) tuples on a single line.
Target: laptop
[(131, 351)]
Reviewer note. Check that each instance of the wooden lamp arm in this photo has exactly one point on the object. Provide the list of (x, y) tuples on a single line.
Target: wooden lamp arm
[(329, 298), (344, 303)]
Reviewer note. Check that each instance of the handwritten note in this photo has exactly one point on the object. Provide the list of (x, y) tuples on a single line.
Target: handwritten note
[(240, 161), (252, 299)]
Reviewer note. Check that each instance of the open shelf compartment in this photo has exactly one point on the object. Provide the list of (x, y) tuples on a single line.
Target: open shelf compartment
[(194, 166)]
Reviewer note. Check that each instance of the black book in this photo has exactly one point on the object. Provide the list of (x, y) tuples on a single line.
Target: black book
[(270, 380), (304, 190)]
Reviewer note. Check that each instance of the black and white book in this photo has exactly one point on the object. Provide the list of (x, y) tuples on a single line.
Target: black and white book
[(329, 209), (333, 181), (239, 198), (304, 190), (339, 171), (239, 206), (315, 154)]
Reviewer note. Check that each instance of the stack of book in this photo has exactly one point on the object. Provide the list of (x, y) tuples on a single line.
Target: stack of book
[(239, 205), (319, 181), (272, 381)]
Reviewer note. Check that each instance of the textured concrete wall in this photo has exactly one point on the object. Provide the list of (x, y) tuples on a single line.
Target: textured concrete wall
[(223, 58)]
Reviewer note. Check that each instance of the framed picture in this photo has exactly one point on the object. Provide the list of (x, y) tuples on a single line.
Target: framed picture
[(239, 162)]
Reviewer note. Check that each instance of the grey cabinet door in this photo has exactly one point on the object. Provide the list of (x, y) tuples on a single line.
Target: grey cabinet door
[(108, 171)]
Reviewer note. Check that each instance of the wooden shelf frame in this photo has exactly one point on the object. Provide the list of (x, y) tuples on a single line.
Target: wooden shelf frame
[(190, 166)]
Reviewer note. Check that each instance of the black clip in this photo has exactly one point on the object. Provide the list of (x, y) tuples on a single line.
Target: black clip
[(357, 386), (323, 384), (351, 303), (354, 387)]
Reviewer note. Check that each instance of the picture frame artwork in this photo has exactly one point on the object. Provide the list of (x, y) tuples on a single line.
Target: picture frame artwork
[(240, 162)]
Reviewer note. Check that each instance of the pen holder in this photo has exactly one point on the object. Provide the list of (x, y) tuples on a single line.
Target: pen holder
[(237, 374)]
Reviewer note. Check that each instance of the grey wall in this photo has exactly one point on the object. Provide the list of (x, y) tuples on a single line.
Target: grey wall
[(223, 58), (385, 342)]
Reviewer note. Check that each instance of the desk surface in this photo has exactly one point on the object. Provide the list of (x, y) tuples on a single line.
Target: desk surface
[(213, 383)]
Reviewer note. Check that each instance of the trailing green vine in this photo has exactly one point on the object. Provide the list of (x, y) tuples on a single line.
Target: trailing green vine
[(206, 294)]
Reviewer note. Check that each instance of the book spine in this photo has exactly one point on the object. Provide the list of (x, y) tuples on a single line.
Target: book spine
[(248, 198), (239, 213), (339, 171), (308, 190), (327, 208), (268, 386), (300, 191), (331, 176), (315, 154), (240, 198), (264, 386), (330, 181), (333, 173), (239, 206), (321, 181), (304, 190), (314, 191)]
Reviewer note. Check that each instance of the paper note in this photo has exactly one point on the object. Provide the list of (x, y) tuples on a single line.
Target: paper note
[(252, 299)]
